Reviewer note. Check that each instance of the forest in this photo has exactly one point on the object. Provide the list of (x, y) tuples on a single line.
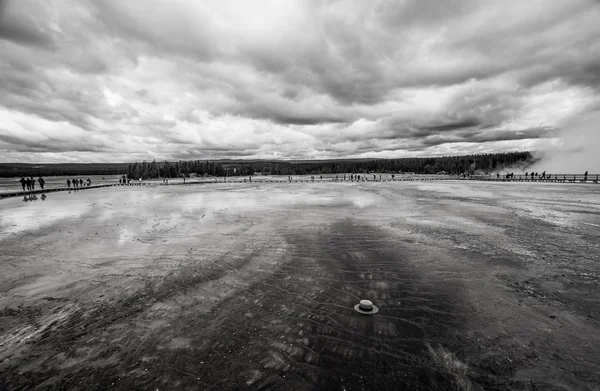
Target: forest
[(484, 163), (470, 164)]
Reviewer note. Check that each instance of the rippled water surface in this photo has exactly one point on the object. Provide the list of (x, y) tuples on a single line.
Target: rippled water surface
[(250, 286)]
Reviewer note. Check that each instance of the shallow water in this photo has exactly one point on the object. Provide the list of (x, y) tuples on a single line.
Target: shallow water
[(235, 286)]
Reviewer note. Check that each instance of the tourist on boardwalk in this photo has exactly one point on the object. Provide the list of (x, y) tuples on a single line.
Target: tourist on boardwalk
[(41, 181), (23, 182), (532, 175), (544, 175), (585, 176), (89, 182), (81, 182), (32, 182), (69, 183)]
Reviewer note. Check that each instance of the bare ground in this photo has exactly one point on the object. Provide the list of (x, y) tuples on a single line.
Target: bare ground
[(489, 286)]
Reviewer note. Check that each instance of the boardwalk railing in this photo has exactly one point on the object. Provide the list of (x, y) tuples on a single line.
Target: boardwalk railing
[(559, 178)]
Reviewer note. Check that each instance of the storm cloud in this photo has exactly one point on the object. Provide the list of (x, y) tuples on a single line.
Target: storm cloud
[(111, 80)]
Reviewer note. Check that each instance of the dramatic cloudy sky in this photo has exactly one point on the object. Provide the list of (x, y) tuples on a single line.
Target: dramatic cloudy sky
[(116, 80)]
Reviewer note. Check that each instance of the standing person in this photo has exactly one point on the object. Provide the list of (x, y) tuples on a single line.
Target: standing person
[(81, 182), (32, 183), (41, 181), (28, 183), (69, 183), (321, 177), (585, 176), (89, 182), (23, 181)]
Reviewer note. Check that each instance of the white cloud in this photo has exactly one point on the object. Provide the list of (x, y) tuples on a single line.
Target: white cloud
[(107, 79)]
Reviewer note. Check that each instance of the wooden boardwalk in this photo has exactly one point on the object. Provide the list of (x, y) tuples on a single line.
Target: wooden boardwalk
[(562, 178)]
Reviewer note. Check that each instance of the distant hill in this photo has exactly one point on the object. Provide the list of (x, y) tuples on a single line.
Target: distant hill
[(26, 169)]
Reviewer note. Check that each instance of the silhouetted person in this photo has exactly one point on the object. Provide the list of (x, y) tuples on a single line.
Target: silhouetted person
[(526, 174), (321, 177), (23, 182), (32, 183), (69, 183), (81, 182), (41, 181), (28, 183), (89, 182), (531, 175), (498, 175), (544, 175), (585, 176), (119, 181)]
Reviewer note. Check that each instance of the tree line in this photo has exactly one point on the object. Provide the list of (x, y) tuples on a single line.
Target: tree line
[(485, 163)]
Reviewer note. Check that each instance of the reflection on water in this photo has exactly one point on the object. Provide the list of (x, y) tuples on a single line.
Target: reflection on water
[(34, 197), (32, 215)]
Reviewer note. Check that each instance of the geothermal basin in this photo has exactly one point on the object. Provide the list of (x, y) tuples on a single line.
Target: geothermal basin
[(479, 286)]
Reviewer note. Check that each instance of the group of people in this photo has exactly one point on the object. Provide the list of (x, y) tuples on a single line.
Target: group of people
[(77, 183), (124, 180), (534, 175), (29, 183)]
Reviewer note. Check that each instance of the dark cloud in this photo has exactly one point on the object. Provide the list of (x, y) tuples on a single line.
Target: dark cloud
[(451, 126), (20, 29), (292, 79)]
